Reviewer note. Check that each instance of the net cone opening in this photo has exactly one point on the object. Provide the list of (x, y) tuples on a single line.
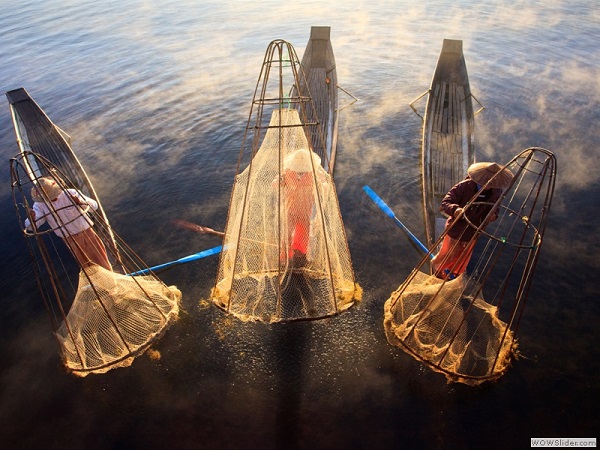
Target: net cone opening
[(285, 255), (464, 321), (102, 317)]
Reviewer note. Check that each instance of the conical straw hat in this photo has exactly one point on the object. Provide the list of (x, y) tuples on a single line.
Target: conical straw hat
[(299, 161), (490, 172), (49, 186)]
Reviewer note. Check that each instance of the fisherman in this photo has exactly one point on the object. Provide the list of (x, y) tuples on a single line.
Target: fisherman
[(299, 192), (457, 246), (65, 214)]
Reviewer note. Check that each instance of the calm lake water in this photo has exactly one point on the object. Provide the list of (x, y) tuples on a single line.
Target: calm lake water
[(156, 96)]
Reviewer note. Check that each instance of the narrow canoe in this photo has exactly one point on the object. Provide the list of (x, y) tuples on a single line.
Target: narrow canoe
[(318, 64), (448, 147), (36, 133)]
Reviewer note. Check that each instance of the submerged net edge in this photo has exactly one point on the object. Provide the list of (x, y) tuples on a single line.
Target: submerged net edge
[(127, 360), (346, 299), (396, 333), (171, 306)]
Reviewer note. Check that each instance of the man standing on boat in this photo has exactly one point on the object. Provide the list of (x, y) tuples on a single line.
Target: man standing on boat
[(66, 216), (299, 185), (465, 224)]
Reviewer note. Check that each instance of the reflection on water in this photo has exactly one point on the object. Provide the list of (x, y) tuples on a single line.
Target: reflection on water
[(155, 98)]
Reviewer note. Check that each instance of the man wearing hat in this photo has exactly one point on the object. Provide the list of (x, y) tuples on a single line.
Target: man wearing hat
[(298, 184), (64, 210), (484, 184)]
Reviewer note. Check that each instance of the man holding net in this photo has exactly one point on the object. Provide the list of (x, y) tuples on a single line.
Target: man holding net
[(483, 186), (299, 192)]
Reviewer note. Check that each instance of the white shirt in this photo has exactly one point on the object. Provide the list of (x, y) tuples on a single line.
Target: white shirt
[(65, 216)]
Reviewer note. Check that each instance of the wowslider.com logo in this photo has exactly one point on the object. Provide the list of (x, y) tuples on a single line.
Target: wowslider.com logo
[(564, 442)]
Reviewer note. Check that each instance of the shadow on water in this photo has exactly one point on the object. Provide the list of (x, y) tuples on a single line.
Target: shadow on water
[(290, 343)]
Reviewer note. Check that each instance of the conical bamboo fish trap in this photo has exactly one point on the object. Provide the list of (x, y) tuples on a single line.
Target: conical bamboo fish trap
[(107, 315), (466, 327), (285, 255)]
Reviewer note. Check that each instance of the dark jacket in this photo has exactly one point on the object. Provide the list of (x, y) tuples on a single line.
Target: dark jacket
[(458, 197)]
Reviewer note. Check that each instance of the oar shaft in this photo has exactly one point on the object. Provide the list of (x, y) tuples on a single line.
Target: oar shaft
[(197, 228), (185, 259), (388, 211)]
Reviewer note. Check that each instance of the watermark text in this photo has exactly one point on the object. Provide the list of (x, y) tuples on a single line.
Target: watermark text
[(564, 442)]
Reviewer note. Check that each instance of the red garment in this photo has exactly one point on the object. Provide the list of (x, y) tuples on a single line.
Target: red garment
[(453, 257), (299, 203)]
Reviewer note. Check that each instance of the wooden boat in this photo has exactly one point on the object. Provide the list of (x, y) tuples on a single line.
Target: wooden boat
[(36, 133), (447, 144), (318, 64)]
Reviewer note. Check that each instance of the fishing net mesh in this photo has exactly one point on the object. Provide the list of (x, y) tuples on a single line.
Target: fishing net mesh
[(113, 319), (285, 254), (449, 325)]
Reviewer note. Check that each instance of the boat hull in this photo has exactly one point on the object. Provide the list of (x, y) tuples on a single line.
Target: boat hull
[(448, 147), (318, 64)]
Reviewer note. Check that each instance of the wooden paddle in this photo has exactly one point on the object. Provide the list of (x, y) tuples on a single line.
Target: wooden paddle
[(197, 228), (207, 230)]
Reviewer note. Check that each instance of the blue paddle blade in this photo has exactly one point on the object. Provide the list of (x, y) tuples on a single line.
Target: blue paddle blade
[(388, 211), (185, 259), (385, 208)]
